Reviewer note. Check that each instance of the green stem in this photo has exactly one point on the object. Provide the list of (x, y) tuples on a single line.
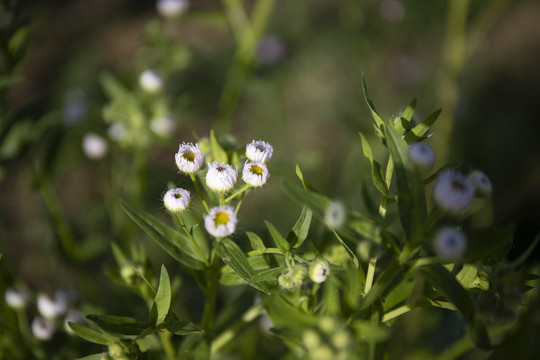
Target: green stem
[(370, 274), (188, 233), (211, 294), (167, 344), (237, 192), (199, 191)]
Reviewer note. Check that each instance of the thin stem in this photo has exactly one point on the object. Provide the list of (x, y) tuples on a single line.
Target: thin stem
[(211, 294), (188, 233), (167, 344), (370, 274), (199, 191), (237, 192)]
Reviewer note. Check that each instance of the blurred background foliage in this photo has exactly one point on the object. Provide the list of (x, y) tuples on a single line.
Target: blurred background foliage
[(296, 83)]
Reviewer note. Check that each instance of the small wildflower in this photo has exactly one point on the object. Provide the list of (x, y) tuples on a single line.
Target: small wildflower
[(285, 281), (150, 81), (42, 328), (176, 200), (422, 156), (116, 131), (449, 243), (335, 214), (255, 174), (453, 192), (73, 316), (319, 270), (270, 50), (311, 339), (16, 298), (51, 308), (221, 177), (163, 125), (221, 221), (172, 8), (189, 158), (259, 151), (94, 146), (482, 183)]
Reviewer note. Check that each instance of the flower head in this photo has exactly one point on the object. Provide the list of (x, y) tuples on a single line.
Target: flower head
[(259, 151), (189, 158), (42, 328), (335, 214), (255, 173), (453, 192), (319, 270), (221, 177), (422, 156), (221, 221), (163, 125), (449, 243), (176, 200), (16, 298), (94, 146), (482, 183), (52, 308), (150, 81), (172, 8)]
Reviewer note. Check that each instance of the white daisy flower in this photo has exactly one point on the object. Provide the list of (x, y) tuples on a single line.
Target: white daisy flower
[(163, 125), (172, 8), (221, 177), (255, 173), (259, 151), (176, 200), (453, 192), (449, 243), (51, 308), (422, 156), (42, 328), (335, 214), (189, 158), (150, 81), (16, 298), (319, 270), (482, 183), (221, 221), (94, 146)]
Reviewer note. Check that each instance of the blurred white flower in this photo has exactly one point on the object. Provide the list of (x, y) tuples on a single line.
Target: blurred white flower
[(172, 8), (189, 158), (221, 221), (150, 81), (42, 328), (255, 174), (422, 156), (94, 146), (163, 125), (270, 50), (319, 270), (16, 298), (449, 243), (482, 183), (52, 308), (453, 192), (73, 316), (221, 177), (335, 214), (392, 11), (259, 151), (116, 131), (75, 106), (176, 200)]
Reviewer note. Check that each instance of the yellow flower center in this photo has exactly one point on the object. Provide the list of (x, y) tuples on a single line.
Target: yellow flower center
[(256, 169), (177, 196), (222, 218), (190, 156)]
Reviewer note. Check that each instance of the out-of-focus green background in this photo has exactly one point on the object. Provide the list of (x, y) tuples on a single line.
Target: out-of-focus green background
[(477, 60)]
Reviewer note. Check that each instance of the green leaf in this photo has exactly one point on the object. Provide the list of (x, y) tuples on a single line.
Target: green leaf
[(381, 285), (346, 247), (378, 122), (376, 171), (233, 256), (403, 122), (182, 327), (169, 239), (411, 193), (218, 153), (444, 281), (420, 129), (409, 111), (286, 314), (318, 203), (280, 241), (256, 242), (95, 357), (300, 229), (92, 335), (118, 324), (307, 185), (268, 274), (366, 331), (162, 300)]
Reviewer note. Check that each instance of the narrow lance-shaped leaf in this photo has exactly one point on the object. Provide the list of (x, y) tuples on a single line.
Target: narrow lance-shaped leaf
[(256, 242), (444, 281), (280, 241), (166, 237), (378, 122), (307, 185), (118, 324), (99, 356), (219, 154), (402, 122), (92, 335), (300, 229), (376, 171), (420, 129), (162, 301)]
